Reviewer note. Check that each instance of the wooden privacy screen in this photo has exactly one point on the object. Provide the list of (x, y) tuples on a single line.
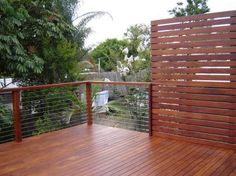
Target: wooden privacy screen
[(194, 78)]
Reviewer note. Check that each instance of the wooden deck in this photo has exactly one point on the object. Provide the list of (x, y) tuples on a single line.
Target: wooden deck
[(100, 150)]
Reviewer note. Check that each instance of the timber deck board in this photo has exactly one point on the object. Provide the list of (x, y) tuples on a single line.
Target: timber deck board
[(99, 150)]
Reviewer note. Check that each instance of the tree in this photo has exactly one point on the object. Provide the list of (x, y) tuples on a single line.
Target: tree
[(67, 8), (83, 31), (38, 42), (14, 56), (193, 7), (138, 37), (25, 26), (136, 41), (109, 53)]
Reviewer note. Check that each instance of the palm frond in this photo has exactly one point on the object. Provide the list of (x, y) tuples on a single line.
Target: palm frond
[(85, 18)]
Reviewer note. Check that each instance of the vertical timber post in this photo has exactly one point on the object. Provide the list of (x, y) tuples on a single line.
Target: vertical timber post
[(89, 103), (150, 109), (16, 115), (233, 74)]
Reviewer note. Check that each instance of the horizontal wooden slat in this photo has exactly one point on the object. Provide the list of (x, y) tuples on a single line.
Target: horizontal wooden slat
[(195, 90), (195, 17), (196, 84), (195, 64), (197, 109), (196, 134), (194, 24), (209, 130), (191, 121), (194, 77), (221, 105), (193, 51), (195, 70), (216, 98), (217, 118), (205, 30), (195, 38), (194, 140), (194, 57), (190, 44)]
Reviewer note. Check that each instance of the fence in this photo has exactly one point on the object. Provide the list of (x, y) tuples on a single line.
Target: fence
[(194, 74), (117, 77), (39, 109)]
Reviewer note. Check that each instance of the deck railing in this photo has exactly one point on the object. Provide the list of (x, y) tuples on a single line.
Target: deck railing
[(39, 109), (128, 105)]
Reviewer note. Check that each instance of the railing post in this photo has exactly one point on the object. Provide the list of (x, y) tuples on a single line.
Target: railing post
[(89, 103), (16, 115), (150, 109)]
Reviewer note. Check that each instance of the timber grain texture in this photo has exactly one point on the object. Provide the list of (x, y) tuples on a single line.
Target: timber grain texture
[(194, 78), (104, 151)]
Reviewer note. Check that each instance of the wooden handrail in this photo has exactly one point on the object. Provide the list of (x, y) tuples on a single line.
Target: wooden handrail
[(46, 86), (29, 88), (121, 83)]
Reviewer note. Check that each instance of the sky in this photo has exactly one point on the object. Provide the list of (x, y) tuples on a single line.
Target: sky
[(129, 12)]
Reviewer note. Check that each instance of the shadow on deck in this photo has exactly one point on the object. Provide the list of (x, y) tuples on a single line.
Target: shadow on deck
[(99, 150)]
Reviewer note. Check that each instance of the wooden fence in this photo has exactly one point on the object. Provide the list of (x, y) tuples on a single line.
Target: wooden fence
[(194, 78)]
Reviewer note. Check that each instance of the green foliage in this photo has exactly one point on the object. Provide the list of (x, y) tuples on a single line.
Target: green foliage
[(50, 100), (109, 52), (5, 115), (60, 64), (139, 45), (138, 36), (13, 54), (193, 7), (135, 99), (136, 40), (66, 8), (116, 108), (95, 89), (54, 108), (40, 45), (6, 121), (137, 53), (24, 26), (44, 125), (38, 42)]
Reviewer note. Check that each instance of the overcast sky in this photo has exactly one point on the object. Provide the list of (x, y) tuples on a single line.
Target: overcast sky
[(130, 12)]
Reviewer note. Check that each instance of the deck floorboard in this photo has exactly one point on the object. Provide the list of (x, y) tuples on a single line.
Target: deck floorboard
[(99, 150)]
